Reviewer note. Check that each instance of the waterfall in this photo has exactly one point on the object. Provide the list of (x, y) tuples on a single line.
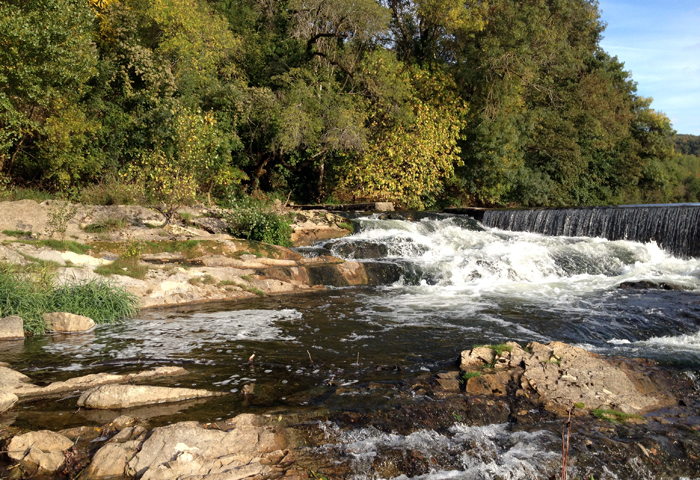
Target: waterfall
[(675, 228)]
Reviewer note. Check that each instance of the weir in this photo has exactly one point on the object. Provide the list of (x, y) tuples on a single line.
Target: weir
[(675, 228)]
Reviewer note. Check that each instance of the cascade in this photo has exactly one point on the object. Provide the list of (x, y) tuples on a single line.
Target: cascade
[(675, 228)]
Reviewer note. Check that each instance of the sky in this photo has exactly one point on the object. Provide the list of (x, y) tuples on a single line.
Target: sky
[(659, 42)]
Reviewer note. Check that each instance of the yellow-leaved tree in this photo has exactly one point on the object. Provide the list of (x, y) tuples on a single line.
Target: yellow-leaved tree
[(412, 147)]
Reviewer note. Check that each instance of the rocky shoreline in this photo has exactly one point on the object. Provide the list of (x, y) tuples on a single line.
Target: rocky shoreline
[(632, 419)]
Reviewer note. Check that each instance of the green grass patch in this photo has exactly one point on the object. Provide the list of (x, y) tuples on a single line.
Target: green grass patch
[(613, 415), (500, 348), (467, 375), (17, 233), (224, 283), (186, 217), (256, 291), (128, 266), (28, 194), (62, 245), (107, 225), (29, 292), (347, 226)]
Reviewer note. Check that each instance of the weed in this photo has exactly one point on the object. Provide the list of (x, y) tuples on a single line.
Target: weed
[(500, 348), (17, 233), (186, 217), (28, 194), (60, 213), (107, 225), (256, 291), (613, 415), (61, 245), (247, 278), (194, 281), (224, 283), (208, 280), (467, 375), (128, 266), (347, 226)]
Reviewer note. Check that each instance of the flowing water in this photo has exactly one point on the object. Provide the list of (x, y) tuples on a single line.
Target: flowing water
[(463, 284)]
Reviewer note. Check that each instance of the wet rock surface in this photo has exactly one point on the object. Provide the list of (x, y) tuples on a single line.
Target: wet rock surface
[(114, 397)]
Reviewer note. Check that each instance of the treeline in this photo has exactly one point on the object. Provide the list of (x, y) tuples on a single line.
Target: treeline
[(424, 102)]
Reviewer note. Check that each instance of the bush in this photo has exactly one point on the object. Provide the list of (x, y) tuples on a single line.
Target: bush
[(254, 220), (29, 293)]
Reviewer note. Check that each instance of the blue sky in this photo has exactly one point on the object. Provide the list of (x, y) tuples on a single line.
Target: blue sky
[(659, 42)]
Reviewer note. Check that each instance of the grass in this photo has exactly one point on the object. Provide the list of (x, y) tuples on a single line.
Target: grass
[(70, 245), (29, 292), (110, 224), (467, 375), (347, 226), (17, 233), (128, 266), (27, 194), (613, 416), (186, 217), (203, 280)]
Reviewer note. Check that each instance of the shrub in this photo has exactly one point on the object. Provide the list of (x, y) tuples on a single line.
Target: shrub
[(253, 220)]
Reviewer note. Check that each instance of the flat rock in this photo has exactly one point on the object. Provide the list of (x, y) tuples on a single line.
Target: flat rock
[(17, 382), (188, 450), (68, 322), (563, 375), (44, 449), (211, 224), (11, 328), (125, 396)]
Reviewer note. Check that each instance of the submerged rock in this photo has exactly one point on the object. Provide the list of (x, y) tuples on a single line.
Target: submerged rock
[(43, 450), (124, 396), (68, 322), (11, 328)]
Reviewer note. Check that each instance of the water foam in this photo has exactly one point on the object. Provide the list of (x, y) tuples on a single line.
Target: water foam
[(178, 337)]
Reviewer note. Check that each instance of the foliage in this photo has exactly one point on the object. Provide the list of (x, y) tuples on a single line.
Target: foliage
[(253, 220), (613, 416), (29, 293), (464, 378), (109, 224), (422, 102), (59, 214)]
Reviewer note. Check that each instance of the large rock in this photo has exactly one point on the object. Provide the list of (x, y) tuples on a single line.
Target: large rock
[(68, 322), (125, 396), (112, 459), (17, 382), (11, 380), (188, 450), (43, 449), (7, 401), (11, 328), (563, 375)]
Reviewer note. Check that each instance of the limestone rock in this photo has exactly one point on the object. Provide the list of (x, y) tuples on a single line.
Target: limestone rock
[(211, 224), (11, 328), (112, 459), (7, 401), (68, 322), (476, 358), (11, 380), (188, 450), (43, 449), (125, 396)]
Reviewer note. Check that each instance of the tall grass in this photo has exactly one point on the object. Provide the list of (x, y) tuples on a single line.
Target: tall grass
[(29, 293)]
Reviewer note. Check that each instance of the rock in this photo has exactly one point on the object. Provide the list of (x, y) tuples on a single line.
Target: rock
[(164, 257), (11, 328), (22, 389), (476, 358), (360, 250), (43, 449), (648, 285), (68, 322), (7, 401), (122, 422), (187, 450), (112, 459), (449, 384), (11, 380), (211, 224), (125, 396)]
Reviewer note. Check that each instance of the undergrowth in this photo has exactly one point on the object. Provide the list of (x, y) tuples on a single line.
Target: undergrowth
[(29, 292), (61, 245), (255, 220), (613, 416)]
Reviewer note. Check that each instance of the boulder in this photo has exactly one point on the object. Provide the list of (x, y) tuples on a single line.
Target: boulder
[(124, 396), (188, 450), (44, 449), (563, 375), (11, 328), (112, 459), (211, 224), (11, 380), (7, 401), (68, 322)]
